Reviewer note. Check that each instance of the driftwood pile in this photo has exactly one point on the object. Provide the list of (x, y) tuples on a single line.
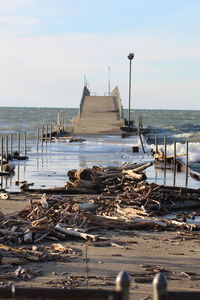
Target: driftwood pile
[(112, 179), (123, 200)]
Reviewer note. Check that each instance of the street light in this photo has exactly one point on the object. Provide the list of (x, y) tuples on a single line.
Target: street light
[(130, 57)]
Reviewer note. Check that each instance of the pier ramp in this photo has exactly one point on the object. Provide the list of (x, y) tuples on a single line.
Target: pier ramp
[(100, 114)]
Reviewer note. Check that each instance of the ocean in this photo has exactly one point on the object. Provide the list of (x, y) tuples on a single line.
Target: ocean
[(48, 167)]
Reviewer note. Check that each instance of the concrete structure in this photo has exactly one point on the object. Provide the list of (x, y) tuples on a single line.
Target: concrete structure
[(100, 114)]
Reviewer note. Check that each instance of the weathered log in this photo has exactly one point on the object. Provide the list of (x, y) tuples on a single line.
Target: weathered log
[(44, 202), (39, 222), (134, 175), (143, 167), (28, 236), (126, 166), (121, 223), (74, 233), (108, 175), (71, 174), (87, 184), (182, 225), (84, 174)]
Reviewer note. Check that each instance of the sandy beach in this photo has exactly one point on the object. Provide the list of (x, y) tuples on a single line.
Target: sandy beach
[(141, 253)]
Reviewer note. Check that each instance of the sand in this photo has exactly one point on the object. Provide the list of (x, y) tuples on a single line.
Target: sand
[(143, 254)]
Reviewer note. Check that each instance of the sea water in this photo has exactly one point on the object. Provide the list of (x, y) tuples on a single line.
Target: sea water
[(48, 167)]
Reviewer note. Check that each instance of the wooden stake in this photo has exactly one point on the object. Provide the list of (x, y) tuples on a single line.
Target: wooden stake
[(11, 144), (186, 170), (6, 138), (156, 143), (18, 142), (2, 154), (25, 143), (37, 140)]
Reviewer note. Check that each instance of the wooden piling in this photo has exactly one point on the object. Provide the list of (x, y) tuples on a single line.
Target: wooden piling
[(165, 153), (37, 139), (2, 154), (18, 142), (140, 121), (11, 144), (25, 143), (50, 134), (46, 132), (174, 163), (156, 143), (58, 118), (140, 137), (174, 154), (42, 135), (6, 141), (186, 164)]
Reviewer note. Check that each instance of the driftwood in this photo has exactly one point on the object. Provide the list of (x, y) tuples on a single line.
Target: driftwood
[(143, 167), (28, 236), (74, 233), (99, 179), (134, 175), (109, 222), (123, 203)]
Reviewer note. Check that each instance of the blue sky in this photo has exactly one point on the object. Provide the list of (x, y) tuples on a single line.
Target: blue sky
[(47, 46)]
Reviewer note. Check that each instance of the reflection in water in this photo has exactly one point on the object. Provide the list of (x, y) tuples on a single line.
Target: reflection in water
[(48, 167)]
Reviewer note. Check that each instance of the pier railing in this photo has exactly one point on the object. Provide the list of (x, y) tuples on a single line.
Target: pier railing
[(121, 292), (115, 93), (86, 92), (160, 291)]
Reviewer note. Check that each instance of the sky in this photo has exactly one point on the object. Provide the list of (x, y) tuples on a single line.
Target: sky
[(49, 48)]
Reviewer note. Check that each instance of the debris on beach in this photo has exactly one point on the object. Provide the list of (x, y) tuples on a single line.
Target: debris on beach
[(123, 200), (112, 179)]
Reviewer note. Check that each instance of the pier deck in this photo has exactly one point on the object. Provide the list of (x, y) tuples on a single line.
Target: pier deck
[(100, 115)]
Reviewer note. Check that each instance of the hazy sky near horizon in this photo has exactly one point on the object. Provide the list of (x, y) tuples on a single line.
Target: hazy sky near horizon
[(48, 46)]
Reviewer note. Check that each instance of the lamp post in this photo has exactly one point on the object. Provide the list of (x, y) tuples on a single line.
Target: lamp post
[(130, 57)]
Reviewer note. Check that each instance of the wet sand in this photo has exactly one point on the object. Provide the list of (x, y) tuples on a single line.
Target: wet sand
[(143, 254)]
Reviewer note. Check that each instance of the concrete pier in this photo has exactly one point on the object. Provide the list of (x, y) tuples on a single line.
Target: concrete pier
[(100, 114)]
